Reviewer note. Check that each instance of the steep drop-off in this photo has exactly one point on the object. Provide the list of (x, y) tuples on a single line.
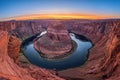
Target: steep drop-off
[(111, 66), (104, 54), (14, 48), (9, 70)]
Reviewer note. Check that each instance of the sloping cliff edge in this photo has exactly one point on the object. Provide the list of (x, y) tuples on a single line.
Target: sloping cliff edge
[(9, 68), (104, 59)]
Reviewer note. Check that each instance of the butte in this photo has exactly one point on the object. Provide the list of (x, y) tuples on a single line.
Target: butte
[(56, 42)]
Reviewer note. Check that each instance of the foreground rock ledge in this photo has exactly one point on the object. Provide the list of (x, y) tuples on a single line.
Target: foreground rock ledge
[(55, 43)]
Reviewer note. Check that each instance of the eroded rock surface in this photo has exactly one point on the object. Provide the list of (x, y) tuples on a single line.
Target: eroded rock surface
[(103, 62), (14, 48), (104, 54), (56, 42), (111, 66), (9, 70)]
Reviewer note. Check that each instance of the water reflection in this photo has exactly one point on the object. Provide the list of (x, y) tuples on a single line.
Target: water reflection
[(77, 58)]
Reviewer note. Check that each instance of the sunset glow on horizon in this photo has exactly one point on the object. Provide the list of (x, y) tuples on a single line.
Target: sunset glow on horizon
[(59, 9), (58, 16)]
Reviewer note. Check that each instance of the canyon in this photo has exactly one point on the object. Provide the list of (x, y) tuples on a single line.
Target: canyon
[(103, 62)]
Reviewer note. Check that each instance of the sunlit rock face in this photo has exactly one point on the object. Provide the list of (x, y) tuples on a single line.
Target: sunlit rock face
[(14, 47), (9, 70), (56, 42)]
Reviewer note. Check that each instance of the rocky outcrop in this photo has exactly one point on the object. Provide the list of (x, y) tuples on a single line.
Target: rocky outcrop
[(14, 48), (7, 66), (56, 42), (21, 29), (105, 53), (111, 61), (11, 71)]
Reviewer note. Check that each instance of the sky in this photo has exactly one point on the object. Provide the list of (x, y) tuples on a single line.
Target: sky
[(11, 8)]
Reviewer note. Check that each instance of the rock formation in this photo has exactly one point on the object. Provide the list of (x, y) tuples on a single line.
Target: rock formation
[(11, 71), (14, 47), (24, 29), (105, 53), (56, 42), (111, 66)]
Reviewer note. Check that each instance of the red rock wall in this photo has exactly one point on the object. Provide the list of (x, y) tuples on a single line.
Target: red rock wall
[(11, 71), (111, 66), (7, 26), (103, 62), (7, 66), (14, 48), (21, 29), (3, 45)]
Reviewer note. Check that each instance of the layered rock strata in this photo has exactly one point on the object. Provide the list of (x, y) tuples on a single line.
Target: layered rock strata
[(14, 47), (56, 42), (9, 70), (104, 54)]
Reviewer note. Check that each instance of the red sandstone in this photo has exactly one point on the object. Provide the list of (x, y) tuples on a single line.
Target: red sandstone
[(104, 55), (56, 42), (11, 71)]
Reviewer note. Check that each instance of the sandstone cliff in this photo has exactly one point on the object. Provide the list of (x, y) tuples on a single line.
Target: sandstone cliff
[(14, 47), (11, 71), (111, 66), (24, 29), (104, 54)]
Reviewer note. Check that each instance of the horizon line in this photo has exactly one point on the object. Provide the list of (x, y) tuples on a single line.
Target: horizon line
[(59, 16)]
